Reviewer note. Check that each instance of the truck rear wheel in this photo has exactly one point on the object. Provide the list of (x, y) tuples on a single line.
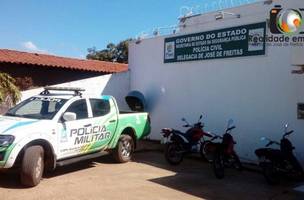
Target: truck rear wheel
[(124, 150), (32, 166)]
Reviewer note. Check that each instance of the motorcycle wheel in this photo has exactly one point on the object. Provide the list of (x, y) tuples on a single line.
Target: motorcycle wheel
[(173, 153), (219, 166), (270, 173), (202, 151), (237, 163)]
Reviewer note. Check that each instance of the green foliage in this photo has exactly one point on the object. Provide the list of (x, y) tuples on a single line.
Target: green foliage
[(113, 53), (8, 88)]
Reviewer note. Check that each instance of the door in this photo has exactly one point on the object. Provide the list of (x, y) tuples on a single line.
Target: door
[(73, 135), (104, 122)]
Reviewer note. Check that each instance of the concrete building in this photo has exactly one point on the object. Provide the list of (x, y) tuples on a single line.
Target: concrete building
[(218, 65)]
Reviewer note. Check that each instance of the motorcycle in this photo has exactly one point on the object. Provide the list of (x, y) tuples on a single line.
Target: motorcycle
[(178, 144), (276, 163), (222, 153)]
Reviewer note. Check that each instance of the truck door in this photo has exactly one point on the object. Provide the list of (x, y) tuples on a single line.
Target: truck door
[(104, 122), (73, 135)]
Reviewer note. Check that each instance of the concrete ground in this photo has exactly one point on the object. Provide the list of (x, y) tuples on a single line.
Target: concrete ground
[(148, 176)]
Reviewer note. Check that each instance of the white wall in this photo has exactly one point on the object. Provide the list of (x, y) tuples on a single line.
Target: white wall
[(117, 85), (258, 92)]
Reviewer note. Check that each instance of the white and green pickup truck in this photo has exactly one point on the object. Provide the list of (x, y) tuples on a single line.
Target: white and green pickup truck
[(60, 126)]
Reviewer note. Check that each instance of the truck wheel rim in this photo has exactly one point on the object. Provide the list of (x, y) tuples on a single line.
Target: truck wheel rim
[(38, 167), (126, 148)]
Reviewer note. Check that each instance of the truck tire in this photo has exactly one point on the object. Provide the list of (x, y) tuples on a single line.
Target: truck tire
[(124, 149), (32, 166)]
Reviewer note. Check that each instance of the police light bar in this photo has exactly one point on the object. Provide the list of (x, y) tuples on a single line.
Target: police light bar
[(77, 91)]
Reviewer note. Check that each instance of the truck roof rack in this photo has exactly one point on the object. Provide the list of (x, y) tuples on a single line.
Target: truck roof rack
[(77, 91)]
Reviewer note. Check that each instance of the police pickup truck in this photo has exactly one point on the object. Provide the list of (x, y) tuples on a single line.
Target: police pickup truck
[(60, 126)]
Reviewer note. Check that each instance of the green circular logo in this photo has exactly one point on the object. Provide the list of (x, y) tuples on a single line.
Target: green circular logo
[(289, 21)]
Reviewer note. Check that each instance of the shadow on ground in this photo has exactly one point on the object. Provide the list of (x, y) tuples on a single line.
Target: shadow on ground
[(10, 179), (195, 177)]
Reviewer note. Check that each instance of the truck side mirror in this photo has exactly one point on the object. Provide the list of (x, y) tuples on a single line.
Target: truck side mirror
[(69, 116)]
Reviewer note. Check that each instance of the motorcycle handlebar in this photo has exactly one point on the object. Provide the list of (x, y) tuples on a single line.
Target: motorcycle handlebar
[(207, 134), (272, 142), (213, 136), (216, 137), (288, 133), (231, 128), (269, 144), (199, 124)]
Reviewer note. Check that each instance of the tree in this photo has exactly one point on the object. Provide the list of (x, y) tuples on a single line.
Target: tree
[(8, 89), (24, 83), (112, 53)]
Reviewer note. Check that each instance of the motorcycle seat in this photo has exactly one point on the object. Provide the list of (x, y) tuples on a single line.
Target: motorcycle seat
[(179, 132), (275, 154)]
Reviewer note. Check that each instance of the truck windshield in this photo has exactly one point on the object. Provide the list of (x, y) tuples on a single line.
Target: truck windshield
[(37, 108)]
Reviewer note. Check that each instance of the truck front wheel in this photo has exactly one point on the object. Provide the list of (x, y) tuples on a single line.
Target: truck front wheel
[(32, 166), (124, 150)]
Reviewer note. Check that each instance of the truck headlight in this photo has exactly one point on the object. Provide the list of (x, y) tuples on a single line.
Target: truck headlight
[(6, 140)]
